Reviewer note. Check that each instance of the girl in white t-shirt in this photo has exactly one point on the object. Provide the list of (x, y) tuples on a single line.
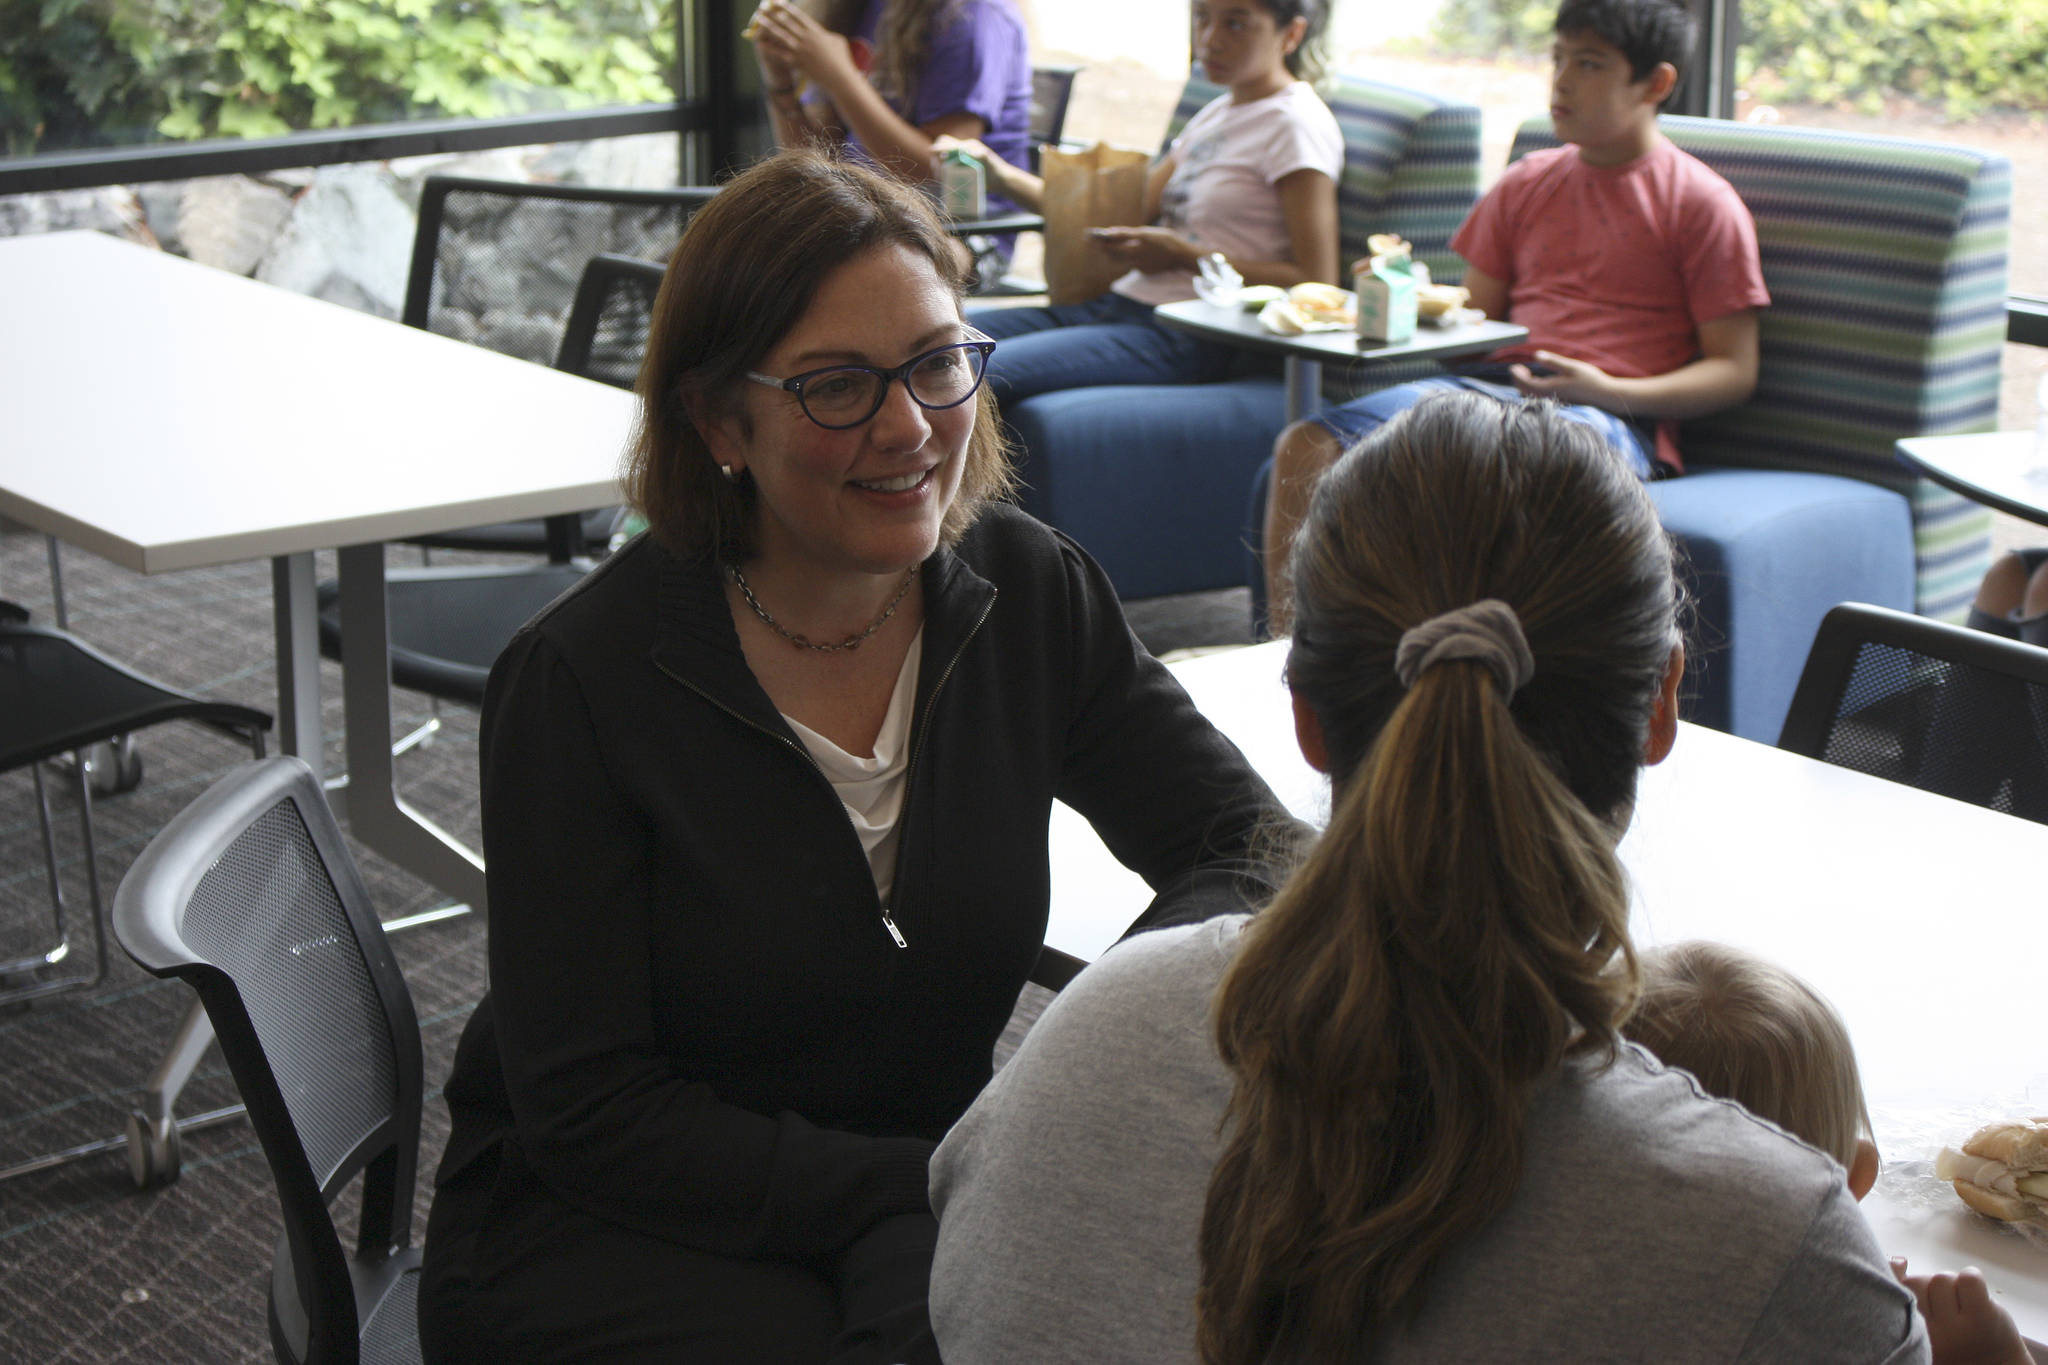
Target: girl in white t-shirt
[(1253, 176)]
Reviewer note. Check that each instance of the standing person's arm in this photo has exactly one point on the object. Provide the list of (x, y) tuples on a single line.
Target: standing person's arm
[(787, 35), (1012, 182)]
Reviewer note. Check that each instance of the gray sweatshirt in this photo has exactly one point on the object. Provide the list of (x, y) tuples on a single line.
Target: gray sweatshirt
[(1650, 1222)]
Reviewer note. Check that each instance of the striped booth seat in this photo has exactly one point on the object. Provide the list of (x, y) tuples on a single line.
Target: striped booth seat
[(1886, 264), (1150, 479)]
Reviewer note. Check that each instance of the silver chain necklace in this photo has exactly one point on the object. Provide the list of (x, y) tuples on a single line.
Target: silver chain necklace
[(739, 579)]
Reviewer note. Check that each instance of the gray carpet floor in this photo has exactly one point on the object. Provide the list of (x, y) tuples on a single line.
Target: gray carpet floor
[(91, 1270)]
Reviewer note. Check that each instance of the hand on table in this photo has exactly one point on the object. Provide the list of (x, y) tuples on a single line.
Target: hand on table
[(1147, 248), (1964, 1325), (1570, 381), (789, 42)]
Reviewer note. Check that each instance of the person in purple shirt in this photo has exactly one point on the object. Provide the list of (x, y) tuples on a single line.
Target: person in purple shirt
[(885, 77)]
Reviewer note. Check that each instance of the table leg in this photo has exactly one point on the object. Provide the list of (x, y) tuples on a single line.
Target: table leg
[(1304, 386), (295, 608), (376, 815)]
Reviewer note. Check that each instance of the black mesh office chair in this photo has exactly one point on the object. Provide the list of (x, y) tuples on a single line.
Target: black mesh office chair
[(1950, 710), (250, 896), (497, 263), (1051, 89), (448, 624), (59, 695)]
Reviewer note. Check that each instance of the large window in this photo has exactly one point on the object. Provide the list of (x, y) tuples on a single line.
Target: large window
[(103, 73), (1963, 71), (1973, 72)]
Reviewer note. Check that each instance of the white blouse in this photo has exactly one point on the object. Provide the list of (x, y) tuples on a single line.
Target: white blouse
[(872, 788)]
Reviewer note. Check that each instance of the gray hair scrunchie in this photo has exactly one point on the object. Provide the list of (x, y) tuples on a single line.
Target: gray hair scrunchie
[(1488, 630)]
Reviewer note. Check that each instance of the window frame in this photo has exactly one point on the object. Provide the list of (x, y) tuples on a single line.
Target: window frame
[(718, 116)]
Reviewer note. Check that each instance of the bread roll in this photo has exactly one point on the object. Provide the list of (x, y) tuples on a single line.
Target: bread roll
[(2002, 1170)]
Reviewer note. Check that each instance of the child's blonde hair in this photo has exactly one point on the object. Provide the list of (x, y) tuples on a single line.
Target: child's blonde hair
[(1752, 1032)]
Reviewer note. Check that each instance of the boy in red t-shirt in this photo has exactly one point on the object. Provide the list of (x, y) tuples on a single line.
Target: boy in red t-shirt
[(1633, 266)]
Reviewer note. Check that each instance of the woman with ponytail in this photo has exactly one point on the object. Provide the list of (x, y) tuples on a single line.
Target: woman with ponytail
[(1389, 1117)]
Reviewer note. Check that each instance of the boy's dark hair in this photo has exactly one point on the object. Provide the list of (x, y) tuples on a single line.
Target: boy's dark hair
[(1646, 31)]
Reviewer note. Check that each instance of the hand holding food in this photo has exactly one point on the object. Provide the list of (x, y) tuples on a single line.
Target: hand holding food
[(786, 36), (2002, 1171)]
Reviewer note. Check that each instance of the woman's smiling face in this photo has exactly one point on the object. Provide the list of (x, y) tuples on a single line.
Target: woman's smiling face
[(871, 498)]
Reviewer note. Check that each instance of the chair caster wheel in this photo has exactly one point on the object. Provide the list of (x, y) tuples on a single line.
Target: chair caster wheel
[(113, 766), (152, 1150)]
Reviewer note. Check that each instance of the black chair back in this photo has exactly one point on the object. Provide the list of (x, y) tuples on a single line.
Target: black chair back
[(1954, 711), (609, 322), (251, 897), (497, 262), (1051, 88)]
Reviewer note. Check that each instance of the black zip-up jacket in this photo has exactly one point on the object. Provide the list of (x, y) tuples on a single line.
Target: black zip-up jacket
[(699, 1025)]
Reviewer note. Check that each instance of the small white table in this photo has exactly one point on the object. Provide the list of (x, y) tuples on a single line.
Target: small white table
[(1918, 916), (1304, 356), (2000, 469), (166, 415)]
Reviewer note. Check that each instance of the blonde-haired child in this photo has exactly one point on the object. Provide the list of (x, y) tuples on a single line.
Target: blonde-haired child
[(1750, 1031)]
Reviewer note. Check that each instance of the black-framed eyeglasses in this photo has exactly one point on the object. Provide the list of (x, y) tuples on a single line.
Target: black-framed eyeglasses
[(842, 396)]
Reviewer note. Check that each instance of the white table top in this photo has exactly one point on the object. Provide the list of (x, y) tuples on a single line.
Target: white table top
[(219, 419), (1242, 328), (2000, 469), (1919, 917)]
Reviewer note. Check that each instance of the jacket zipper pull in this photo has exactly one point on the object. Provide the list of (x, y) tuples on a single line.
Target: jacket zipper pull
[(894, 932)]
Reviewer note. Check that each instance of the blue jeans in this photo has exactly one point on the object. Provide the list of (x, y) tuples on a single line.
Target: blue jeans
[(1348, 422), (1110, 340)]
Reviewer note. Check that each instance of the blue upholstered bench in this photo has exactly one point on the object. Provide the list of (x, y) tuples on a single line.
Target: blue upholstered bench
[(1886, 265), (1151, 478)]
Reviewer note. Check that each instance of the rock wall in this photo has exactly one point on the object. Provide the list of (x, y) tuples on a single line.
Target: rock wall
[(340, 233)]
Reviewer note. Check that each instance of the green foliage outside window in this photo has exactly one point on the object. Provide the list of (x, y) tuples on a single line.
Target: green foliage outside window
[(81, 73), (1961, 56)]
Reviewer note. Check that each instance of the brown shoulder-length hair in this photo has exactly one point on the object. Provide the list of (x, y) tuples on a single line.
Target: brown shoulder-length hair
[(743, 274)]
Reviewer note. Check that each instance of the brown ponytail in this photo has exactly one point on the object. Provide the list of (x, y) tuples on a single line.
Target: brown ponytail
[(1450, 938)]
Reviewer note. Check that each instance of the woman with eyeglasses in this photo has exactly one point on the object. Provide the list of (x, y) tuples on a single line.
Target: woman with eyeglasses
[(765, 805)]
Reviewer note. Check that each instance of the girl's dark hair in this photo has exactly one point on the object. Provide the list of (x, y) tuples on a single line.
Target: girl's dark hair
[(1462, 925), (1307, 61), (742, 276)]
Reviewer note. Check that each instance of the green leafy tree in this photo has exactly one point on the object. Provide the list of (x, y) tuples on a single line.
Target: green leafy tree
[(1962, 56), (94, 72)]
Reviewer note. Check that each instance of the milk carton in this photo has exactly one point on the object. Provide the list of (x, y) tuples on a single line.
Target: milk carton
[(1385, 285), (962, 187)]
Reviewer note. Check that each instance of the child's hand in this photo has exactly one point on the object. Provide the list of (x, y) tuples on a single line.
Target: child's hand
[(1964, 1325), (1569, 381)]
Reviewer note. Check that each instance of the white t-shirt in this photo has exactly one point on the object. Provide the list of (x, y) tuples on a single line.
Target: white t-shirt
[(1221, 196), (872, 788)]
